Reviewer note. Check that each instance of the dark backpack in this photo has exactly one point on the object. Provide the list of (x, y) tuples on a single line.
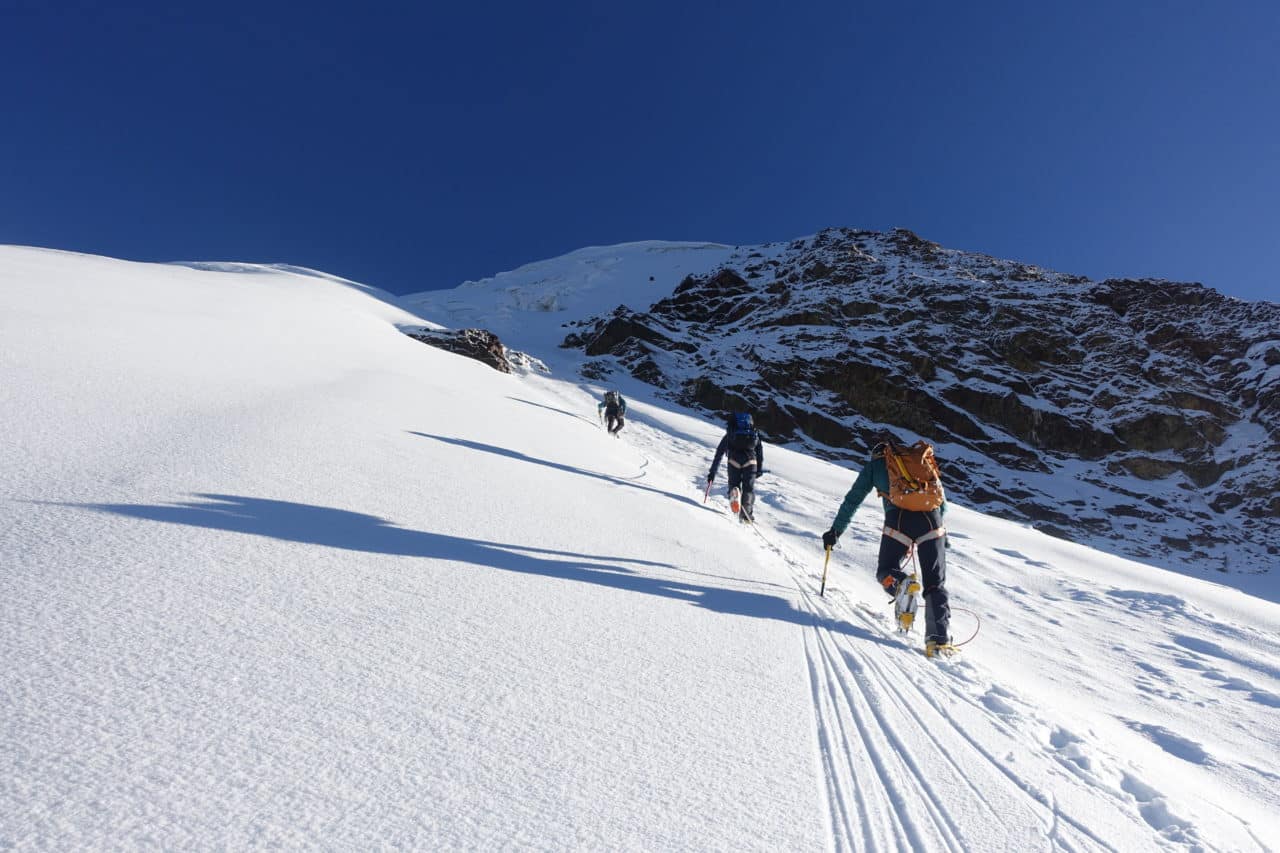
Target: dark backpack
[(611, 398), (742, 432)]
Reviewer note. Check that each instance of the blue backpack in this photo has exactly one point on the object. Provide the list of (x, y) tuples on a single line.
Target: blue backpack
[(742, 432)]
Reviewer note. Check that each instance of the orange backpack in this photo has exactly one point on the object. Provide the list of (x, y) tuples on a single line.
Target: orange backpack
[(914, 480)]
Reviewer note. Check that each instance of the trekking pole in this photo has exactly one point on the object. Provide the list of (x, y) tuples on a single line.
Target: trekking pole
[(825, 563), (707, 493)]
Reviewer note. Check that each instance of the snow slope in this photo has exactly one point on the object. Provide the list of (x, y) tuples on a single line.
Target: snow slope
[(273, 573)]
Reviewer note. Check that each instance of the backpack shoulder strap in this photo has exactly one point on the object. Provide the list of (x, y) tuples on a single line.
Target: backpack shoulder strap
[(896, 465)]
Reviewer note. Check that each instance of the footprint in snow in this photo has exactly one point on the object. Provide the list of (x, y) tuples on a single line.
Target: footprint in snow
[(1149, 602), (1083, 596), (1018, 555), (1172, 743), (1190, 663), (1155, 811), (1211, 649), (1013, 589), (1156, 688), (996, 703), (1070, 750), (1256, 694)]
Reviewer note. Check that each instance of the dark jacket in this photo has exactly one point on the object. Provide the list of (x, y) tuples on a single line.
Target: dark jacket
[(738, 458), (874, 475), (621, 408)]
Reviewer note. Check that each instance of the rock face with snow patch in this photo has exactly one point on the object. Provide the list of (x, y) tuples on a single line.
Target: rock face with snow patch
[(481, 345), (1141, 411)]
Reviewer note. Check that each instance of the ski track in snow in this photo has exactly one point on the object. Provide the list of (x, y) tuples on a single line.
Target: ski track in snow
[(928, 770)]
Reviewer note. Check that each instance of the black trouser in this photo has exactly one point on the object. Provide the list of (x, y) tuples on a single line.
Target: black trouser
[(745, 479), (933, 565), (612, 416)]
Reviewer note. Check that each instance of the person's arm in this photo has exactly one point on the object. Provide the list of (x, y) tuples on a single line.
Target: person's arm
[(600, 407), (759, 455), (857, 493), (715, 463), (622, 405)]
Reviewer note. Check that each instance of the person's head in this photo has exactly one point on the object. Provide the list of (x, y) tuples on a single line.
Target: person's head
[(879, 443)]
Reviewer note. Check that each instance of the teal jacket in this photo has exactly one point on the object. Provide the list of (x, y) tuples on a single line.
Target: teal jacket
[(874, 475)]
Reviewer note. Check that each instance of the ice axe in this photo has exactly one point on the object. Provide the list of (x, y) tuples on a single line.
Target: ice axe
[(707, 493)]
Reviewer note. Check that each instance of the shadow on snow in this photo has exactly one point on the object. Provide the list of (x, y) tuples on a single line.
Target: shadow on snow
[(338, 528), (559, 466), (582, 418)]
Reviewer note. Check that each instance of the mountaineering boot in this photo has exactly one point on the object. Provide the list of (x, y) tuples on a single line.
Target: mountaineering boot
[(734, 503), (905, 602), (898, 586), (939, 647)]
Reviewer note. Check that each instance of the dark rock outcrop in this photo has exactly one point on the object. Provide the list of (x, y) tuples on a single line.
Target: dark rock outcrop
[(479, 344)]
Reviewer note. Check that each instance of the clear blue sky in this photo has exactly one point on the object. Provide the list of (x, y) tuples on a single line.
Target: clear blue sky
[(415, 145)]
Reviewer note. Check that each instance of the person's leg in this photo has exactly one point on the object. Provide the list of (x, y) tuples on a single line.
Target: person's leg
[(749, 492), (735, 481), (887, 571), (621, 423), (933, 570)]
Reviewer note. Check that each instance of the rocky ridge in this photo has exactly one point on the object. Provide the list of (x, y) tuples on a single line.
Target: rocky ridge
[(1142, 412)]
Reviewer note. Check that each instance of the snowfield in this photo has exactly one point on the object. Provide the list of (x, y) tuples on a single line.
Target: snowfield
[(272, 573)]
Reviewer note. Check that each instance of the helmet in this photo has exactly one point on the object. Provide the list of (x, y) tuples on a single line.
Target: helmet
[(880, 442)]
